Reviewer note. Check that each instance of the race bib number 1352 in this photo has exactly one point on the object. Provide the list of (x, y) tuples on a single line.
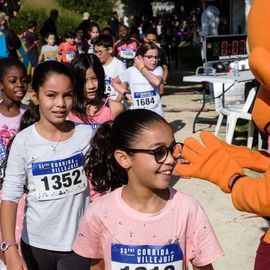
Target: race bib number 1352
[(59, 178)]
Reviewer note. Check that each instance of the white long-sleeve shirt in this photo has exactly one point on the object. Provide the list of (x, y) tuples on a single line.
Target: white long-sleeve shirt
[(58, 189)]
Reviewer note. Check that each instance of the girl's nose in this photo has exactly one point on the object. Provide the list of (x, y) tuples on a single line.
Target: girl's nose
[(60, 102), (170, 159), (90, 84)]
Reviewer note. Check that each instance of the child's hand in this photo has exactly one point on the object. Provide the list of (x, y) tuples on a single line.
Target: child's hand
[(129, 99), (138, 62)]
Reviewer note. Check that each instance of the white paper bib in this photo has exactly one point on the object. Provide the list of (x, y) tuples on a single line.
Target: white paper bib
[(127, 53), (70, 55), (146, 257), (109, 90), (145, 100), (57, 179)]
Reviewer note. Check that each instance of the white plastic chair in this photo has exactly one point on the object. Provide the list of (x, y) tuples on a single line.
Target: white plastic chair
[(235, 112)]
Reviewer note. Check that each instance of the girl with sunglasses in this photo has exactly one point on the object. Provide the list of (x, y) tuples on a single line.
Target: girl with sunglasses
[(143, 223), (144, 79)]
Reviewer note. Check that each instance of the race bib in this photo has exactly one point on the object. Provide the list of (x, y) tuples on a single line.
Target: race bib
[(127, 53), (95, 126), (109, 90), (91, 49), (131, 257), (70, 55), (59, 178), (146, 100), (2, 152)]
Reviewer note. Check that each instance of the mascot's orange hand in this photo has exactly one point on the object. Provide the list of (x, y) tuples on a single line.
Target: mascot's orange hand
[(208, 161), (258, 161)]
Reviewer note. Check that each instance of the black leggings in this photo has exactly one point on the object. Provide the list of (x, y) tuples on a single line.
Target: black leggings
[(42, 259)]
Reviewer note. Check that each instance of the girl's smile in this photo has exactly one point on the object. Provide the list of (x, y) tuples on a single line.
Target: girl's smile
[(14, 84), (55, 99)]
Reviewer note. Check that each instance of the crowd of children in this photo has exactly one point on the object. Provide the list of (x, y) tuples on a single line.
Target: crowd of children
[(94, 128)]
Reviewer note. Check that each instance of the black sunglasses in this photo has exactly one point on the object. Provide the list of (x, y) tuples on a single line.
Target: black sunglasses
[(161, 152)]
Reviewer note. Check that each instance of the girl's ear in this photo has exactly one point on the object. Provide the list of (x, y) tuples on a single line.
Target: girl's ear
[(123, 159), (1, 86), (33, 96), (110, 50)]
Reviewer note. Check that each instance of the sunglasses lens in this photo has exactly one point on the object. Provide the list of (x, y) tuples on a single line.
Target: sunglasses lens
[(161, 153)]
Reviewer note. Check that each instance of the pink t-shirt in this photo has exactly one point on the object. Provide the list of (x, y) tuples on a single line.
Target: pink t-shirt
[(8, 129), (127, 239), (104, 114)]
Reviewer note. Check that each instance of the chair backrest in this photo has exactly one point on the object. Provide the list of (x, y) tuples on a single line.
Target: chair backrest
[(250, 98)]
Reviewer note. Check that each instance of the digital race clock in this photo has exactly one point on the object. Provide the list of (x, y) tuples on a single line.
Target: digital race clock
[(225, 48)]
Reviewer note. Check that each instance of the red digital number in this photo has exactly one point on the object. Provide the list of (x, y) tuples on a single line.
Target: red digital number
[(224, 48), (242, 47), (235, 48)]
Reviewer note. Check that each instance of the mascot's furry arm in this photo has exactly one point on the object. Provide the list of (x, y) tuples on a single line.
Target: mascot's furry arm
[(213, 160), (221, 163)]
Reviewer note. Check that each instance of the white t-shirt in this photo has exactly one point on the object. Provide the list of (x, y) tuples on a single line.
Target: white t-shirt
[(112, 70), (58, 188), (144, 94)]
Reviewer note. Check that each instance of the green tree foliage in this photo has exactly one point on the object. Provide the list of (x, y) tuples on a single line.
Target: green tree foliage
[(27, 13), (100, 10)]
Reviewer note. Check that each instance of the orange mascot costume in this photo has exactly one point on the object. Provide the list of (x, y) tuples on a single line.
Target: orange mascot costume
[(223, 164)]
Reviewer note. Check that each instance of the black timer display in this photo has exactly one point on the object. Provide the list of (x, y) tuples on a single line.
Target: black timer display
[(223, 48)]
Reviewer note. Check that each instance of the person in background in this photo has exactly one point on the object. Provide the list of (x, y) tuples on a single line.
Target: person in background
[(13, 85), (49, 24), (164, 41), (151, 36), (50, 50), (93, 32), (32, 41), (12, 40), (91, 104), (67, 49), (107, 31), (144, 79), (143, 223), (209, 22), (113, 67), (11, 7), (114, 24), (125, 47), (210, 19), (85, 23), (209, 27), (79, 39)]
